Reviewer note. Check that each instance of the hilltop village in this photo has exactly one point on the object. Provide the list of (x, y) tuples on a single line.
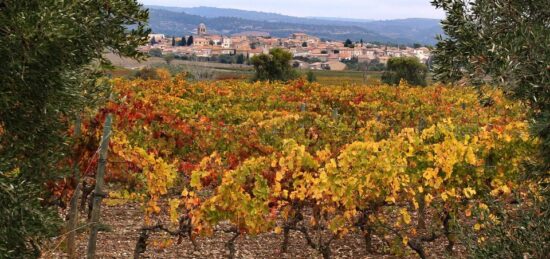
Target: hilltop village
[(309, 52)]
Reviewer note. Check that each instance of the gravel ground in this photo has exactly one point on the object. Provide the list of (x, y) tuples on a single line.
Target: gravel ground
[(125, 220)]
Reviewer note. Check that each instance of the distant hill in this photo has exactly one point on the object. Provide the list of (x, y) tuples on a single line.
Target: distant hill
[(214, 12), (340, 19), (179, 21), (173, 23), (419, 30)]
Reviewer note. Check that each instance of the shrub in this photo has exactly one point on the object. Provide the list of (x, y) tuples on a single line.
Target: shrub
[(146, 73), (169, 58), (155, 52), (274, 67), (311, 76), (408, 68)]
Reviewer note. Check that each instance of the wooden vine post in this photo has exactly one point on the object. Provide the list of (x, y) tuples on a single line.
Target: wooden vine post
[(73, 211), (98, 192)]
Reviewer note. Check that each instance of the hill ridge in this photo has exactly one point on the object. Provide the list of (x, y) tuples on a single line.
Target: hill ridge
[(181, 20)]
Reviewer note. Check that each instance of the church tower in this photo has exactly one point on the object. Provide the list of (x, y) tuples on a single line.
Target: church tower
[(201, 30)]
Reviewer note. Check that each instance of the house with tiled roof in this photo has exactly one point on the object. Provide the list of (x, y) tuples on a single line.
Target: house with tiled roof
[(299, 44), (200, 41)]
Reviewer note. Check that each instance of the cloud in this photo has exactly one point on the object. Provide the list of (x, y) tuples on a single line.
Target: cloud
[(365, 9)]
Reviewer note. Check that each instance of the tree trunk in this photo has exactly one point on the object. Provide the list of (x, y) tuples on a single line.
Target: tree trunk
[(286, 236), (72, 223), (368, 240), (231, 246), (98, 192), (73, 210), (448, 232), (326, 252), (421, 212), (416, 245)]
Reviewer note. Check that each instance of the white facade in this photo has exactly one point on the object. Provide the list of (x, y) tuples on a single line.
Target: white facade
[(158, 37), (226, 42)]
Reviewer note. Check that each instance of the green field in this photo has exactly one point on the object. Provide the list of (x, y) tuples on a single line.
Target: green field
[(216, 71), (345, 77)]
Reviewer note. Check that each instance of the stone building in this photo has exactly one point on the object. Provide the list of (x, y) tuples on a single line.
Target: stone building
[(201, 30)]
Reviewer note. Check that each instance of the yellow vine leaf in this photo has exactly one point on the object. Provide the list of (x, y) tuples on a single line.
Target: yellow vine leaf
[(174, 204), (469, 192), (405, 216)]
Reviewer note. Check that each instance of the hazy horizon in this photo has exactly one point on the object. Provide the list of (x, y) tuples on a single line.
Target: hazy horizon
[(366, 9)]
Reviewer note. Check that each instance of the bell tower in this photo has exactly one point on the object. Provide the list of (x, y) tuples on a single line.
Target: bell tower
[(201, 30)]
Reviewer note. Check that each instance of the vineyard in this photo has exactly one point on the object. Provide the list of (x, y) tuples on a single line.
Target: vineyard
[(401, 167)]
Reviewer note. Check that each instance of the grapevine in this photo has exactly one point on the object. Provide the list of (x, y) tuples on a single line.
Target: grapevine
[(325, 161)]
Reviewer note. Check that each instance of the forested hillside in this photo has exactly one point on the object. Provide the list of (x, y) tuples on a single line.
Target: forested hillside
[(177, 21)]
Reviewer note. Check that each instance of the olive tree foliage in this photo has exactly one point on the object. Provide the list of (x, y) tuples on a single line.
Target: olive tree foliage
[(409, 69), (50, 57), (23, 220), (168, 58), (502, 42), (506, 43), (274, 66)]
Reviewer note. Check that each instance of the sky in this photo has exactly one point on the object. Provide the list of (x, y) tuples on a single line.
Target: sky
[(362, 9)]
